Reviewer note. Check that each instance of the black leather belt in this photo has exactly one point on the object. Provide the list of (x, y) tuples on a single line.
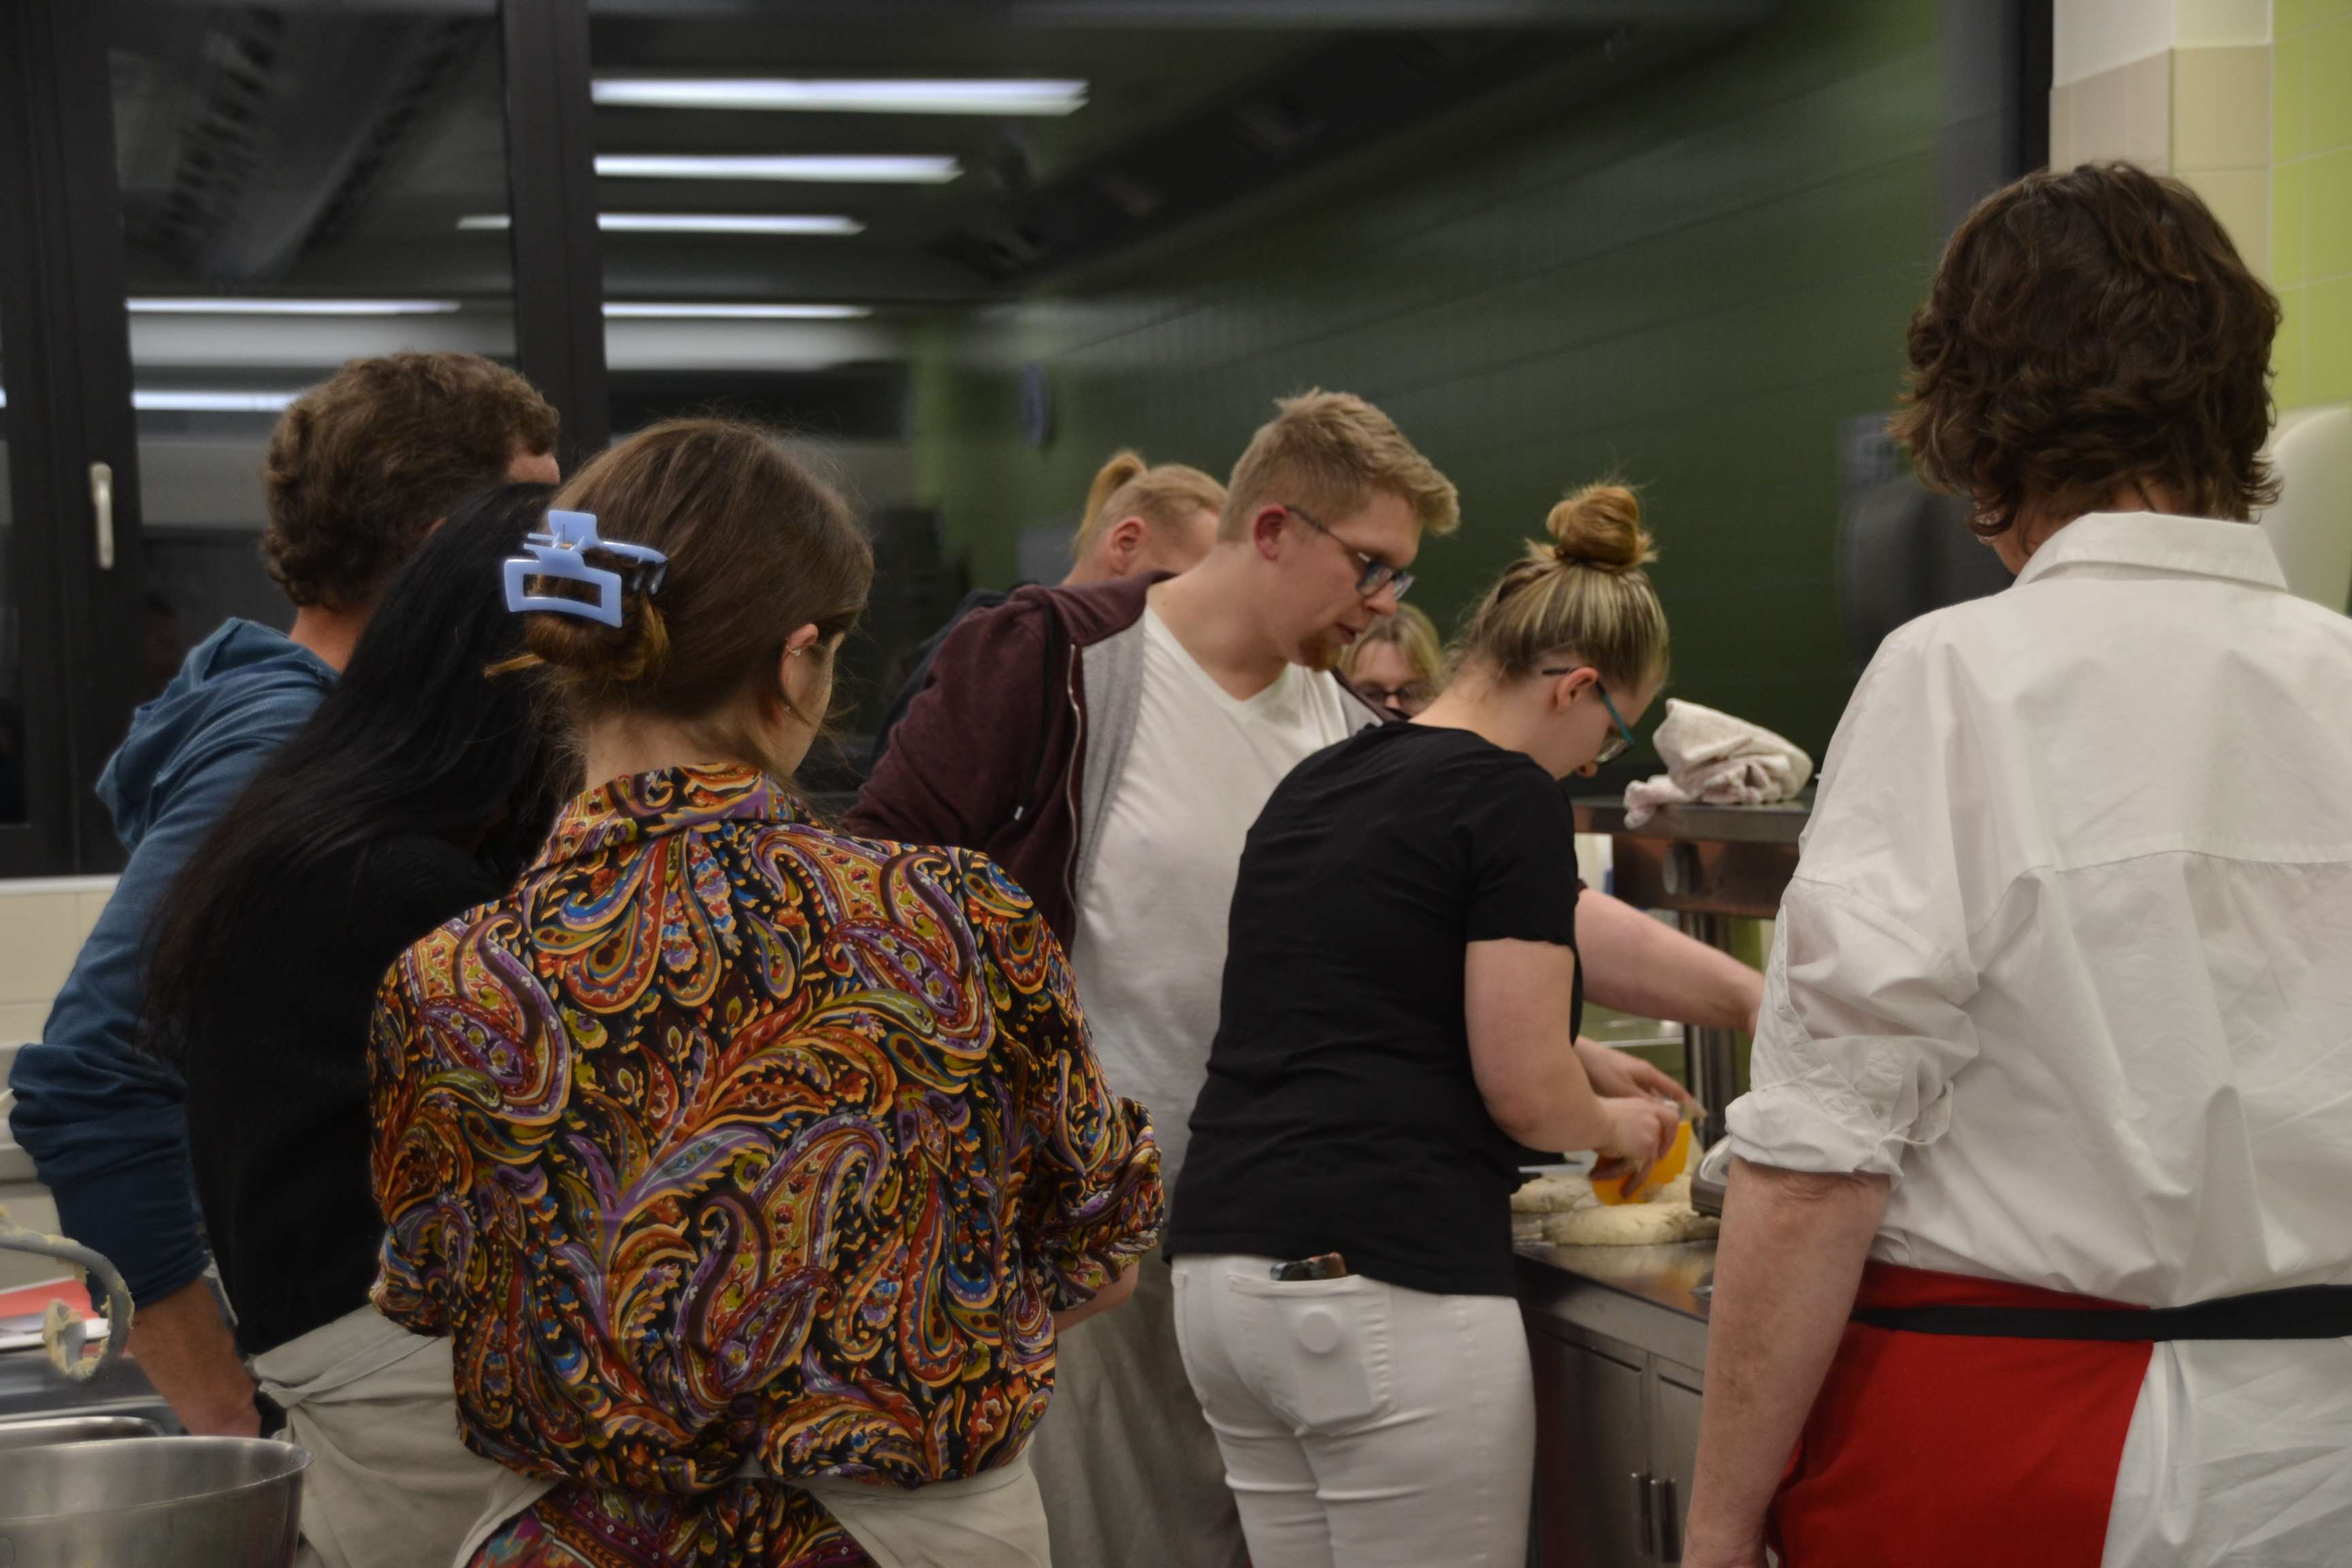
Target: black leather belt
[(2304, 1312)]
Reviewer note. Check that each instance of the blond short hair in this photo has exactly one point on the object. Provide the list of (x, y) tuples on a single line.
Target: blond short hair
[(1583, 592), (1166, 496), (1415, 635), (1331, 452)]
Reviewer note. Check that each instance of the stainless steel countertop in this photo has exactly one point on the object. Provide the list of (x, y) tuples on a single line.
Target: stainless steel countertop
[(1699, 824), (1645, 1296), (30, 1386)]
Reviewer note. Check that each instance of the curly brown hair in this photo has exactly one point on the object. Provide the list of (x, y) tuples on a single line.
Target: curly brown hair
[(361, 464), (2088, 330)]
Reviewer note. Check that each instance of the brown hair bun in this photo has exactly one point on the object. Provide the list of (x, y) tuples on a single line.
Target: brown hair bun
[(757, 548), (1599, 526), (602, 655)]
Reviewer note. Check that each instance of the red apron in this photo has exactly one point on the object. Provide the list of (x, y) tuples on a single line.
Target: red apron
[(1941, 1451)]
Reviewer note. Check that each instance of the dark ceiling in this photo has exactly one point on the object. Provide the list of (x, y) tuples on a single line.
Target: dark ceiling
[(331, 148)]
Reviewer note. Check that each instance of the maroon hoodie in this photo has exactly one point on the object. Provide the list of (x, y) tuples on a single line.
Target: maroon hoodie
[(988, 756), (994, 753)]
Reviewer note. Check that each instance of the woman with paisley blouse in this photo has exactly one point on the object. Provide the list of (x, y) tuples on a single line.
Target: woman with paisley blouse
[(751, 1168)]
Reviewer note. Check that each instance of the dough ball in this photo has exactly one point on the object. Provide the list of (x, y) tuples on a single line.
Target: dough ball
[(1553, 1194)]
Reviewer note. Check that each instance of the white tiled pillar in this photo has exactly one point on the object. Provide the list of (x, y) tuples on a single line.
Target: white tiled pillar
[(42, 923), (2179, 87)]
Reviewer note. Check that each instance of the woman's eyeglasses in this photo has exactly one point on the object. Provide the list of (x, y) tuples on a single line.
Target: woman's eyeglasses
[(1618, 745), (1407, 699), (1376, 574)]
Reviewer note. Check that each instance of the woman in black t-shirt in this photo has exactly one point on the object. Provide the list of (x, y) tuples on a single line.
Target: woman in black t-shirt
[(1401, 1004)]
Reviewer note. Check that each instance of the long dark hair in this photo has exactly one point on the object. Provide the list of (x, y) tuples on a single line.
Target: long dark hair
[(417, 737)]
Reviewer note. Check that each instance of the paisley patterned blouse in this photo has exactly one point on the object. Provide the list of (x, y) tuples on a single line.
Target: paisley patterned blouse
[(726, 1140)]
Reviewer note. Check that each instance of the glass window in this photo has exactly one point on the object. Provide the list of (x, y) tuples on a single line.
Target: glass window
[(296, 187), (12, 649)]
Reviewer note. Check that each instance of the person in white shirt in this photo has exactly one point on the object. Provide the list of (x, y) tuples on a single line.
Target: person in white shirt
[(1111, 744), (2038, 1241), (1325, 513)]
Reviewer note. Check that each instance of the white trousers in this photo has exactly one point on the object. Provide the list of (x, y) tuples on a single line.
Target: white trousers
[(1129, 1471), (1362, 1423)]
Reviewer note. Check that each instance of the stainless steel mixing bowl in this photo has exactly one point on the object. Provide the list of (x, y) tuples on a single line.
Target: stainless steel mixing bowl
[(189, 1502)]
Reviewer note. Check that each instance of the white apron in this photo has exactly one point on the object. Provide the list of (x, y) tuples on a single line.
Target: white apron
[(390, 1484), (995, 1520)]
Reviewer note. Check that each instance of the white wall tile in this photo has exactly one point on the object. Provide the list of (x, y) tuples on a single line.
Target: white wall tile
[(21, 1021), (30, 1206), (39, 934), (2092, 36)]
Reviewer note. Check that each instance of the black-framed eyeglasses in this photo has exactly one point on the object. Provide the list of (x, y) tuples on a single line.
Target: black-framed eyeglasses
[(1617, 745), (1376, 574), (1407, 699)]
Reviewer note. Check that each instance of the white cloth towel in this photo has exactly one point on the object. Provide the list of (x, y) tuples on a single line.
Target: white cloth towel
[(1716, 760)]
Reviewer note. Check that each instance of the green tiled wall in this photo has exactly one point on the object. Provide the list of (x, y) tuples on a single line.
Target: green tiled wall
[(2311, 198), (1691, 286)]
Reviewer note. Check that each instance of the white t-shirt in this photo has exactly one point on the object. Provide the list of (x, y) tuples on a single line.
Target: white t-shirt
[(1151, 948)]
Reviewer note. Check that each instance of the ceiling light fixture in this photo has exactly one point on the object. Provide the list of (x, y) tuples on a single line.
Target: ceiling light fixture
[(176, 401), (813, 168), (871, 97), (634, 309), (160, 307), (169, 400), (698, 223)]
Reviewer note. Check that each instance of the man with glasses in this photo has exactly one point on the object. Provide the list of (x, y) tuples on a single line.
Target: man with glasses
[(1110, 746)]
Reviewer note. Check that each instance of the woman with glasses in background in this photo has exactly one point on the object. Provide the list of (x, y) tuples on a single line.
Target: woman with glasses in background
[(1398, 664), (1400, 1007)]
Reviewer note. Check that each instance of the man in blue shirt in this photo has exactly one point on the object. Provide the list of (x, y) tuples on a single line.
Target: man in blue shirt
[(359, 470)]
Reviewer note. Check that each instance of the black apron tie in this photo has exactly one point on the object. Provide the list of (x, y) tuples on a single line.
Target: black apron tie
[(2303, 1312)]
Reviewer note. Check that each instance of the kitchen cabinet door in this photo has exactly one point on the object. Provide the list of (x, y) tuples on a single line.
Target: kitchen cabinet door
[(1592, 1457), (1674, 1453)]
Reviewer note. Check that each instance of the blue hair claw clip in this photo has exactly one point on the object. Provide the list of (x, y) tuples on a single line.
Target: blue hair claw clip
[(563, 551)]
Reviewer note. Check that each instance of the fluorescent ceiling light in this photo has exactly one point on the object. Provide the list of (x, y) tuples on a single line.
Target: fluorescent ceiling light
[(879, 97), (176, 401), (291, 307), (815, 168), (636, 310), (698, 223), (173, 401)]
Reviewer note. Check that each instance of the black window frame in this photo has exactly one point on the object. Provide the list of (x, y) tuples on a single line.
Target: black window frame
[(64, 366), (65, 342)]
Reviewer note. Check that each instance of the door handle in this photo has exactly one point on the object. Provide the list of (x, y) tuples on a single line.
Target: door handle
[(1642, 1513), (1666, 1520), (101, 509)]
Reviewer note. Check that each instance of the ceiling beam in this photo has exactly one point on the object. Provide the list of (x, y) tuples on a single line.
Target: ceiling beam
[(1199, 15)]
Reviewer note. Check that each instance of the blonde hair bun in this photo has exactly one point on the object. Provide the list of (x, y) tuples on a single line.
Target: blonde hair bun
[(1599, 526), (1167, 496), (1122, 466)]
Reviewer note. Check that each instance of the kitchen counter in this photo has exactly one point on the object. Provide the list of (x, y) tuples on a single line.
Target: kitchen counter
[(1617, 1343), (1654, 1298), (29, 1386), (1782, 823)]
